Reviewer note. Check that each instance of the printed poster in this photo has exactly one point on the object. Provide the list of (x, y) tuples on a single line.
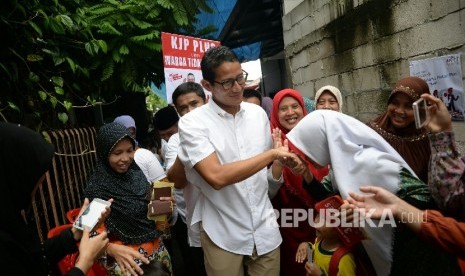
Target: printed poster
[(444, 77), (181, 60)]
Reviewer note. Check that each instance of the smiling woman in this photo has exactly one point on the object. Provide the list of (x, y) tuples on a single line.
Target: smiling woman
[(286, 188), (397, 125), (135, 239)]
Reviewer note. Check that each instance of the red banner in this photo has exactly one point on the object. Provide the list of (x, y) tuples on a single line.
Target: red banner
[(181, 59), (184, 52)]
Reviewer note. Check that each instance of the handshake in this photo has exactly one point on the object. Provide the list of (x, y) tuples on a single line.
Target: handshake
[(285, 157)]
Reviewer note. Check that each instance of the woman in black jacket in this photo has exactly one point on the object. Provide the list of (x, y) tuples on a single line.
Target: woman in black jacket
[(24, 158)]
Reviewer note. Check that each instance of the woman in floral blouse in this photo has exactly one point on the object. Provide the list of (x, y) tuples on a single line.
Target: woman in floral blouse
[(446, 177)]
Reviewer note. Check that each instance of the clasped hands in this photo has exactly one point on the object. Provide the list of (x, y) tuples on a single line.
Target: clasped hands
[(286, 157)]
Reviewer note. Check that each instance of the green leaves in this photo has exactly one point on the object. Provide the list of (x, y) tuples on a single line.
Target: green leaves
[(34, 58), (35, 27), (65, 20), (124, 50), (103, 45), (33, 77), (43, 95), (80, 52), (68, 105), (13, 106), (57, 81), (59, 90), (63, 117)]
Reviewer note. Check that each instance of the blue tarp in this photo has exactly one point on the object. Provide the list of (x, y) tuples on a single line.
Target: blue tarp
[(221, 12), (159, 91)]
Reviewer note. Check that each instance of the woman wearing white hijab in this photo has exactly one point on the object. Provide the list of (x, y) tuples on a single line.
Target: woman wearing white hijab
[(359, 156)]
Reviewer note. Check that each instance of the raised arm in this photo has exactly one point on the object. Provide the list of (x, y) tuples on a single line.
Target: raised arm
[(446, 167)]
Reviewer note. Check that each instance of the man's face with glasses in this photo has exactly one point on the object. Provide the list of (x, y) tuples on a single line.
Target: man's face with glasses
[(229, 83), (228, 86)]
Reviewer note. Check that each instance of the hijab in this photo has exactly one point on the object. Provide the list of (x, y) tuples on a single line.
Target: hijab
[(126, 121), (128, 218), (24, 157), (333, 90), (309, 104), (411, 143), (358, 157), (293, 182)]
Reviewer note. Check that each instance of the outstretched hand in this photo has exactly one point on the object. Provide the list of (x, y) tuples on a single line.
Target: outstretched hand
[(375, 202), (125, 257)]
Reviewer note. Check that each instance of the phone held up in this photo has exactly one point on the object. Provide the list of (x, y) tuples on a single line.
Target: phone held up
[(309, 253), (90, 217), (420, 112)]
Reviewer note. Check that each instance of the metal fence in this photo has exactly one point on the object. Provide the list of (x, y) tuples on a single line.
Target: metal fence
[(62, 189)]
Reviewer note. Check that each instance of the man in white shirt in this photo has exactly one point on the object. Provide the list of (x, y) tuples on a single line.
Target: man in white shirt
[(186, 97), (225, 148)]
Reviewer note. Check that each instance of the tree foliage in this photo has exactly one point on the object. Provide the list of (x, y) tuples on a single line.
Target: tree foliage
[(63, 53)]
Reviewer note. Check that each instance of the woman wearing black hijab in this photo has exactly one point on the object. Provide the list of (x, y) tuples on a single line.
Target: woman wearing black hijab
[(24, 158), (135, 242)]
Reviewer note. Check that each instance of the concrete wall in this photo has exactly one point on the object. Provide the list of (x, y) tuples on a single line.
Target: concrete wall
[(364, 46), (289, 5)]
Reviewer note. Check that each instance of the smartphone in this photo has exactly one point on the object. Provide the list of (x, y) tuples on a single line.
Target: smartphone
[(90, 217), (309, 253), (420, 112)]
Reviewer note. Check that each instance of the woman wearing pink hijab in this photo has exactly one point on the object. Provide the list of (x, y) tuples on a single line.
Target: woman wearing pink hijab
[(286, 188)]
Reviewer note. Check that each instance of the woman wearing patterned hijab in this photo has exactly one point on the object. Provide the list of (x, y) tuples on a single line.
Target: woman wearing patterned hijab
[(397, 125), (133, 238)]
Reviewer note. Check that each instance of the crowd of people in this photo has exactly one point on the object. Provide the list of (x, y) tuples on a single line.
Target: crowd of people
[(248, 173)]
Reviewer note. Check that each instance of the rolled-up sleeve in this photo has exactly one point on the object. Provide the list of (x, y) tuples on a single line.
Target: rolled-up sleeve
[(274, 184), (445, 232)]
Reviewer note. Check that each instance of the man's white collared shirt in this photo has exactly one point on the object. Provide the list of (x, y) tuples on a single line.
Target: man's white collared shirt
[(239, 216)]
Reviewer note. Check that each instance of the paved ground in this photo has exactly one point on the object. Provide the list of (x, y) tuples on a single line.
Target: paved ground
[(459, 129)]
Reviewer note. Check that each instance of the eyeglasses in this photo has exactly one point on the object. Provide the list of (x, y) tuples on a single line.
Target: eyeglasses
[(229, 83)]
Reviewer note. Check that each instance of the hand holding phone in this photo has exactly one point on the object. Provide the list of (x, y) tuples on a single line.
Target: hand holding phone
[(309, 253), (420, 112), (90, 217)]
